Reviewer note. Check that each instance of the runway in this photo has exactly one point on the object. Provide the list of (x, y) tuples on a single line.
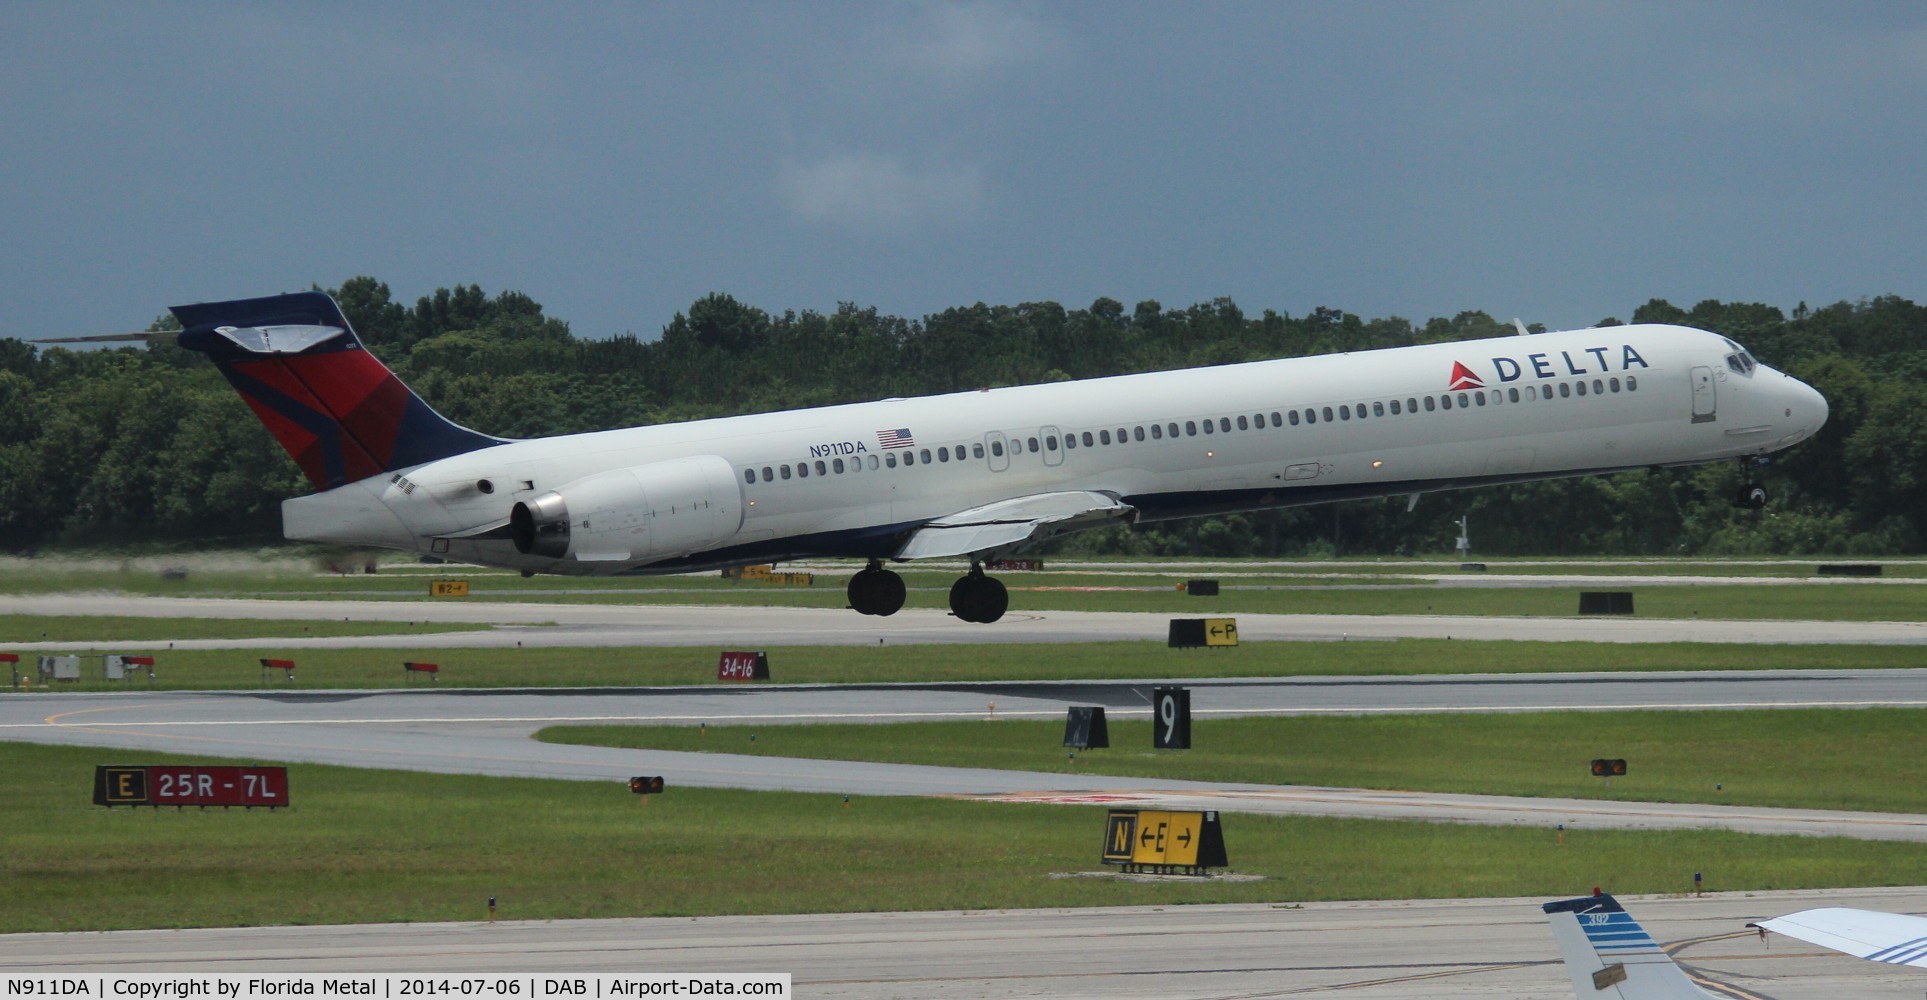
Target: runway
[(1393, 950), (536, 625), (487, 732)]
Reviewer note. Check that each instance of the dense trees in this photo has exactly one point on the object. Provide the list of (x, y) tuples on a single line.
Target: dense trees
[(149, 444)]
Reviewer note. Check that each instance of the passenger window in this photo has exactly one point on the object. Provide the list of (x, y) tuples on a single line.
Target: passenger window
[(822, 469), (890, 459), (1513, 393), (1344, 412), (1157, 432), (1294, 418), (1598, 388), (1190, 428), (1463, 402), (1050, 441), (1137, 433), (1378, 409), (909, 458), (997, 448), (943, 454), (1479, 397), (749, 475), (1565, 389), (1088, 440), (802, 470), (1411, 404), (786, 471), (1582, 387), (1224, 424), (837, 464), (1275, 422), (873, 463), (1207, 426), (1632, 383), (1104, 436), (1394, 407), (1614, 382), (1033, 446), (1070, 440), (1243, 426), (925, 456), (1430, 405), (1171, 430), (977, 451), (1445, 401), (1328, 414)]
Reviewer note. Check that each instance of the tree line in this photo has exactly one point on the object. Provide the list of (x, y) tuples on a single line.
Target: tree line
[(149, 444)]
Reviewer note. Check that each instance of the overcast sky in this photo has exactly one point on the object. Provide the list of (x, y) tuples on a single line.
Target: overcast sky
[(1560, 162)]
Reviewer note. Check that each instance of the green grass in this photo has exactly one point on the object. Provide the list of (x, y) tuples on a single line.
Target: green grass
[(121, 630), (667, 666), (380, 846), (1805, 758)]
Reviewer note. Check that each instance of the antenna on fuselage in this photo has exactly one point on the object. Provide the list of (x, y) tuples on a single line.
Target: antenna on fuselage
[(1521, 327)]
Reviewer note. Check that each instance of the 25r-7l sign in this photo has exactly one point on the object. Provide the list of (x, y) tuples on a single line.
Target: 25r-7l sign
[(171, 785)]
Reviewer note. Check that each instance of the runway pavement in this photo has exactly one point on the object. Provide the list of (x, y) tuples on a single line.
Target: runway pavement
[(1394, 950), (487, 732), (589, 625)]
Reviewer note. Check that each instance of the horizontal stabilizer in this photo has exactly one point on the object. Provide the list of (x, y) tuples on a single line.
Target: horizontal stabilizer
[(1611, 957), (1013, 522), (1895, 938)]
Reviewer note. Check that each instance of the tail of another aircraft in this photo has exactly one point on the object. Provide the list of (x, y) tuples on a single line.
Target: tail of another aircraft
[(341, 414), (1610, 956)]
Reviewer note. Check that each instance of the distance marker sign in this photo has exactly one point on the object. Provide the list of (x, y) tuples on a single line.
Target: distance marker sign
[(169, 785)]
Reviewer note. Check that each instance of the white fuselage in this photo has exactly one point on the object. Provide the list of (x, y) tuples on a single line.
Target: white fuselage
[(1171, 444)]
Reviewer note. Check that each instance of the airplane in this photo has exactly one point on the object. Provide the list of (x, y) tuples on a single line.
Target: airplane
[(1609, 955), (979, 474), (1894, 938)]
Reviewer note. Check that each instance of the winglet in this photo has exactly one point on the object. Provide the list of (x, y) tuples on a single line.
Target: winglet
[(1611, 957)]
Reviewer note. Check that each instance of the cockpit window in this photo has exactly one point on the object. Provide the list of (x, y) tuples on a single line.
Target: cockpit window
[(1741, 362)]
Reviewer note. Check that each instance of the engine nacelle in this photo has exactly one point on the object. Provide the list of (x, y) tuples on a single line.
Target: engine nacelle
[(644, 513)]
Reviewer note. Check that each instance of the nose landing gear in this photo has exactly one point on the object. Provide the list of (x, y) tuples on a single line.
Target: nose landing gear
[(978, 598), (1750, 495), (876, 591)]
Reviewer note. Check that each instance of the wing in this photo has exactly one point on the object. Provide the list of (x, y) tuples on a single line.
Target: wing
[(1013, 522), (1896, 938)]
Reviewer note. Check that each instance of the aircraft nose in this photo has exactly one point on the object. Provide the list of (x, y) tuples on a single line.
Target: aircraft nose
[(1807, 410)]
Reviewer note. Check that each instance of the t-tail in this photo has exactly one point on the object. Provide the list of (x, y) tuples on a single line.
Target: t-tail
[(1613, 958), (341, 414)]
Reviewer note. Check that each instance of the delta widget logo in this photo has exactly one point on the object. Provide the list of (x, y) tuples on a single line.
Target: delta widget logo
[(1463, 378)]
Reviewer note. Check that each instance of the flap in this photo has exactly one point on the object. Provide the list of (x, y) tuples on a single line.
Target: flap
[(1012, 522)]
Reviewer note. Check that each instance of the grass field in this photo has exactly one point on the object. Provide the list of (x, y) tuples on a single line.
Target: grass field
[(121, 630), (1805, 758), (379, 846), (664, 666)]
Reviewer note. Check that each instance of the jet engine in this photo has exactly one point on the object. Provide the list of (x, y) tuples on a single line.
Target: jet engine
[(639, 514)]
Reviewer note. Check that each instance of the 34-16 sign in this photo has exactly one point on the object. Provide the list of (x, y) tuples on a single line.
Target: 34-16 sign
[(168, 785)]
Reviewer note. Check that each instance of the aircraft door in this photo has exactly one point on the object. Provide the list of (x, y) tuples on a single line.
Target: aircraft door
[(996, 451), (1703, 395), (1053, 445)]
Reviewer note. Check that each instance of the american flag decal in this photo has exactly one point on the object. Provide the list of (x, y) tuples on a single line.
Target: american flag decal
[(899, 438)]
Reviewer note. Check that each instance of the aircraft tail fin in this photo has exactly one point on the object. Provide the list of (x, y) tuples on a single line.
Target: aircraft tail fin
[(1610, 956), (339, 412)]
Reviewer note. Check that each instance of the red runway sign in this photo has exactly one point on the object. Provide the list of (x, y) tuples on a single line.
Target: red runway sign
[(173, 785)]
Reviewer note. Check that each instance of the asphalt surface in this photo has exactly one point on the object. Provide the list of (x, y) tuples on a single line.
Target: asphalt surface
[(1396, 950), (589, 625)]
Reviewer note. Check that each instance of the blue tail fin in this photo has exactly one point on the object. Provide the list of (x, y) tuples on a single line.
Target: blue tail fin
[(1611, 957)]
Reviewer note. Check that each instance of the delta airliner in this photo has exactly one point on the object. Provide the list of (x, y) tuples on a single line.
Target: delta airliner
[(979, 474)]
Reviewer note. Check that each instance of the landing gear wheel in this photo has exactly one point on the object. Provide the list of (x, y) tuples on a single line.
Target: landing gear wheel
[(979, 598), (876, 591), (1751, 497)]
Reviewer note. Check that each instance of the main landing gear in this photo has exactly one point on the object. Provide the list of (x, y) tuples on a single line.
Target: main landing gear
[(876, 591), (1751, 495), (978, 598)]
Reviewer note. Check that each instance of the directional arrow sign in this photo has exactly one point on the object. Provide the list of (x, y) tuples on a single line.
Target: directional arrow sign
[(1220, 631)]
